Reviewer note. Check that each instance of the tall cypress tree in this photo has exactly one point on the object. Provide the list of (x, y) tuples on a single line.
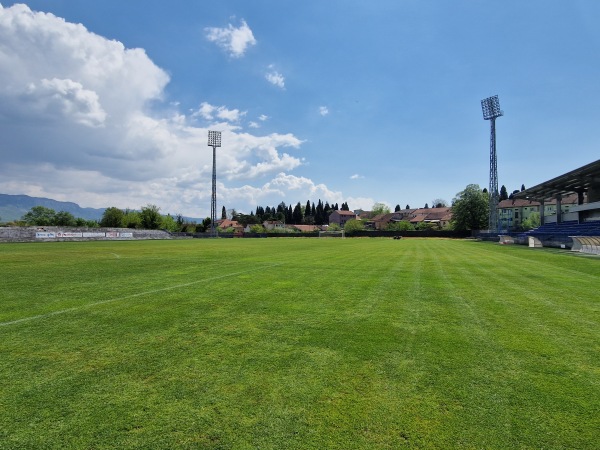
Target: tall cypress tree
[(297, 215), (319, 213), (281, 208)]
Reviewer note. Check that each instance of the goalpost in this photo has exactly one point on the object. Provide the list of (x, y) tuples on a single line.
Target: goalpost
[(332, 234)]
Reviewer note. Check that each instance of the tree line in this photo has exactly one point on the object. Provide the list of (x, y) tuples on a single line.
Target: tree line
[(469, 212), (307, 214), (148, 218)]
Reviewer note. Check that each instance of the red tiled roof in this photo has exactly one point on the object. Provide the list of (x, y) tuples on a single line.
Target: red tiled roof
[(306, 228), (418, 218), (228, 223)]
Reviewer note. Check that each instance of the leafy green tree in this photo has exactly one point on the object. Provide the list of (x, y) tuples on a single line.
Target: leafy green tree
[(64, 219), (354, 225), (245, 219), (407, 206), (403, 225), (150, 217), (202, 227), (131, 219), (379, 208), (423, 226), (334, 227), (40, 215), (257, 228), (533, 221), (470, 209), (112, 218), (397, 208), (223, 213), (180, 220), (169, 223)]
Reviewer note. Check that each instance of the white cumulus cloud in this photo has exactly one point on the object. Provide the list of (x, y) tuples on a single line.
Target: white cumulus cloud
[(209, 112), (323, 110), (275, 78), (64, 99), (233, 40)]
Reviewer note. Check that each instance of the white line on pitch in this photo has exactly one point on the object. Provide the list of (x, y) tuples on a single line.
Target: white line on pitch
[(139, 294)]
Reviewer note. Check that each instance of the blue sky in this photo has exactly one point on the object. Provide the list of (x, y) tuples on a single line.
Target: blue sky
[(109, 103)]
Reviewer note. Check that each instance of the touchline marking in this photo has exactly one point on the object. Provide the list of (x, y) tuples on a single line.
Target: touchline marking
[(139, 294)]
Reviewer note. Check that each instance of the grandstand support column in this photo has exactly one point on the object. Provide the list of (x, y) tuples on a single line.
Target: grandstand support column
[(558, 209), (542, 211), (594, 193), (579, 202)]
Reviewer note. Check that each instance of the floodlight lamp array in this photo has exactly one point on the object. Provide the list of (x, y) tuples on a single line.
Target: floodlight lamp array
[(491, 108), (214, 138)]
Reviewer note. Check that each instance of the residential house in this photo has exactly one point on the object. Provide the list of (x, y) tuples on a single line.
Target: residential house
[(381, 221), (512, 212), (341, 217), (438, 216), (226, 224), (270, 225)]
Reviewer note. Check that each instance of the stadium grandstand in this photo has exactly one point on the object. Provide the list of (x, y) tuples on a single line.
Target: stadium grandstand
[(562, 227)]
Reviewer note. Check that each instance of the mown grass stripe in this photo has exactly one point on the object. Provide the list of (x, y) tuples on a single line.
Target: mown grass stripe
[(139, 294)]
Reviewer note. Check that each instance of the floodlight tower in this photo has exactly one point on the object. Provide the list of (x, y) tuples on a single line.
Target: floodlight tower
[(491, 111), (214, 141)]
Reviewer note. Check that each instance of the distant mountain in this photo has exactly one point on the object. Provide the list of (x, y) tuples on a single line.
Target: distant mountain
[(13, 207)]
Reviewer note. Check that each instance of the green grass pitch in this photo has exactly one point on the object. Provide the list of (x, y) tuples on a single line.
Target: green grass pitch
[(298, 344)]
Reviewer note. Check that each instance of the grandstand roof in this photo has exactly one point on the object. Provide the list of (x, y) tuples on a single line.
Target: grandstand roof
[(575, 181), (524, 202)]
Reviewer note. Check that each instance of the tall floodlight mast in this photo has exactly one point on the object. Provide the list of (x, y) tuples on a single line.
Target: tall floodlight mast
[(214, 141), (491, 111)]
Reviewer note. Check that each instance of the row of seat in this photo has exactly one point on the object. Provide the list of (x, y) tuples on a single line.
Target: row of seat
[(571, 228)]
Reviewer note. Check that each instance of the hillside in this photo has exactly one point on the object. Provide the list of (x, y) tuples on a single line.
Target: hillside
[(12, 207)]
